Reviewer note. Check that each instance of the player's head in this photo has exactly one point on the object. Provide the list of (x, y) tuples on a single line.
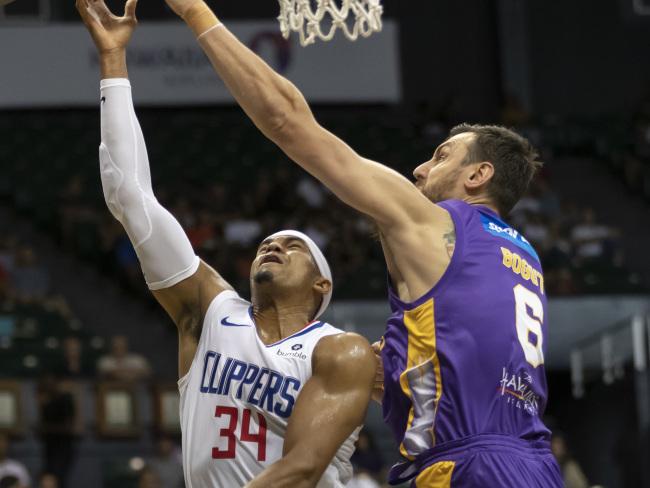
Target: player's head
[(289, 262), (479, 163)]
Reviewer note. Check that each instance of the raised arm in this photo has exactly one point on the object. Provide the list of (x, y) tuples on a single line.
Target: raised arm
[(182, 284), (280, 111), (334, 402)]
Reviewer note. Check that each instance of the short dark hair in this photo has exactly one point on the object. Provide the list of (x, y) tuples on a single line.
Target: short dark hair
[(513, 157)]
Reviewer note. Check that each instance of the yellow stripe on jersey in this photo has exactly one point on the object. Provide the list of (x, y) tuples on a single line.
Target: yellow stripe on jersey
[(421, 381), (436, 476)]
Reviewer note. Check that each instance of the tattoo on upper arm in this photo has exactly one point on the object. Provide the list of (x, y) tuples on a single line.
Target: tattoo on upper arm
[(450, 240)]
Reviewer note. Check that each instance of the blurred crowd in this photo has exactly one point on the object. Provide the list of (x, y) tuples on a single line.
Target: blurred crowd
[(225, 225), (23, 278), (577, 250), (225, 219), (41, 337), (164, 468)]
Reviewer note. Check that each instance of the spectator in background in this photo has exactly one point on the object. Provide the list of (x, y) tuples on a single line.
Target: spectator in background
[(30, 280), (535, 230), (167, 464), (562, 282), (148, 479), (73, 363), (48, 480), (589, 237), (203, 234), (549, 201), (57, 428), (311, 191), (529, 205), (122, 365), (557, 249), (571, 472), (242, 231), (10, 468)]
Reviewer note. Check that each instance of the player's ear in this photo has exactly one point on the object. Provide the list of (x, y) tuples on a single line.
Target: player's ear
[(480, 174), (322, 285)]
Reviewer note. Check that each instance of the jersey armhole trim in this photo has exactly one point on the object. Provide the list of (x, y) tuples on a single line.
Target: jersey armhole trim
[(216, 302), (454, 264)]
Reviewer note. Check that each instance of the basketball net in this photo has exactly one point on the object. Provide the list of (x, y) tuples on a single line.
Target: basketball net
[(354, 17)]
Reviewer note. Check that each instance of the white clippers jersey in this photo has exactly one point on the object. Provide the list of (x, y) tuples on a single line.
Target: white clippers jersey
[(238, 395)]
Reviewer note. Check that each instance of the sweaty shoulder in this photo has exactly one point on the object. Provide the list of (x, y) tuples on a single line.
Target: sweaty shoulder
[(344, 355)]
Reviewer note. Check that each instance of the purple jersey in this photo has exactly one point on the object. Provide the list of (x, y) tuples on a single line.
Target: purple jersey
[(467, 358)]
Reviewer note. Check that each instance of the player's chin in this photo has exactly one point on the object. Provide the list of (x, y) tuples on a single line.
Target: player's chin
[(263, 276)]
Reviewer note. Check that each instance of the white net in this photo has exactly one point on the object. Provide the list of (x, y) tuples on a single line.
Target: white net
[(321, 21)]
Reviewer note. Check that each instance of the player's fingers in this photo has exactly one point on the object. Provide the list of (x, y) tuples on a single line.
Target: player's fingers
[(100, 8), (129, 10), (376, 347), (88, 14), (82, 8)]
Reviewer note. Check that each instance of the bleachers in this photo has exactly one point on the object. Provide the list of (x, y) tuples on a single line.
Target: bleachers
[(53, 179), (31, 338)]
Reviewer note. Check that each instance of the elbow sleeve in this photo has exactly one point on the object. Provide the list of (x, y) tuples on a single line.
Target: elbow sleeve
[(165, 253)]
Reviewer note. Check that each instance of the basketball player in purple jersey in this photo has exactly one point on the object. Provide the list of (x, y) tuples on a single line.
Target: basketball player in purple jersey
[(463, 353)]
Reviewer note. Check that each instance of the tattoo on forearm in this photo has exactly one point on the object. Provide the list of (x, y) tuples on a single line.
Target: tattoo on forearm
[(450, 241)]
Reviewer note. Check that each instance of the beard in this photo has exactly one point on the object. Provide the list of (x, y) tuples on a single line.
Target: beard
[(441, 189), (262, 277)]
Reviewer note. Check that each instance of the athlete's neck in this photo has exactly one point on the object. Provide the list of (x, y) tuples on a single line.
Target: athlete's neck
[(481, 200), (275, 321)]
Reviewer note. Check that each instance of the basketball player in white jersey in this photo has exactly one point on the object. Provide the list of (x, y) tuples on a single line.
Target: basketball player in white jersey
[(270, 395)]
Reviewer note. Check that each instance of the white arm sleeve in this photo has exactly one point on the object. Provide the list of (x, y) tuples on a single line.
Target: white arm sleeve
[(165, 253)]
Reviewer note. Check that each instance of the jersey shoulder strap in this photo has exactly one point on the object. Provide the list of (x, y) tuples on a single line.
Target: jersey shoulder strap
[(225, 304)]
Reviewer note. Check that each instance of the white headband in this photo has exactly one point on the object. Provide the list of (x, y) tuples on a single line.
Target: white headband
[(321, 263)]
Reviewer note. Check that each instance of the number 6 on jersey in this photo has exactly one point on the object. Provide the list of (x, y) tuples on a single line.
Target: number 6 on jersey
[(528, 323)]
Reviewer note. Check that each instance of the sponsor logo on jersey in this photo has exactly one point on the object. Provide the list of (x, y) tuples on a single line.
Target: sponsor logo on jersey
[(227, 323), (516, 389), (253, 384), (294, 353), (500, 229)]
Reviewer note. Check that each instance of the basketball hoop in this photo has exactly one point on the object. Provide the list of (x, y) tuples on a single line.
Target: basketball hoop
[(299, 16)]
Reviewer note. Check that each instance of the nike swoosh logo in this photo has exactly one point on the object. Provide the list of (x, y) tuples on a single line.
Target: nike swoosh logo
[(103, 99), (225, 322)]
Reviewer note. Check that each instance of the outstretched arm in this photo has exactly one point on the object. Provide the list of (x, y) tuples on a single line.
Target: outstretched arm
[(182, 284), (280, 111), (333, 401)]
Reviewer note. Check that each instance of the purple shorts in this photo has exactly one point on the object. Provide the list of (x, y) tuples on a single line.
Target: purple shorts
[(483, 461)]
